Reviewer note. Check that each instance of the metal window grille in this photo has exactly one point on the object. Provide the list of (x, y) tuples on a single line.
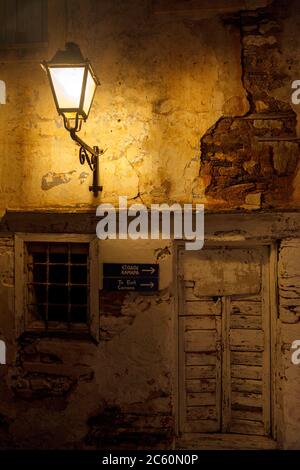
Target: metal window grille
[(58, 284)]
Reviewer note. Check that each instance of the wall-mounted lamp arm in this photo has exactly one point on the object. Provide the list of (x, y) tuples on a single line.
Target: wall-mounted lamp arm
[(92, 159), (84, 145)]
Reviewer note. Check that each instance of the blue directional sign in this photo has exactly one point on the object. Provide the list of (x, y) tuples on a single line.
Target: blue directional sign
[(130, 277)]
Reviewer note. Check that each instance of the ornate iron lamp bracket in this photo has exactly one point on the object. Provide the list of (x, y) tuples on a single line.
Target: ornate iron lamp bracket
[(87, 154)]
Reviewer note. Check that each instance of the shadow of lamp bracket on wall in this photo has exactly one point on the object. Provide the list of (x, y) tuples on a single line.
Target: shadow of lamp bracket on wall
[(73, 85)]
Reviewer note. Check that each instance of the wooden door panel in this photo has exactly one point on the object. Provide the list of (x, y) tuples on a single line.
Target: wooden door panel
[(224, 345)]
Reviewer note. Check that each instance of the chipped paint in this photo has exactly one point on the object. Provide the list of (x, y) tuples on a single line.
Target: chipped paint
[(51, 180)]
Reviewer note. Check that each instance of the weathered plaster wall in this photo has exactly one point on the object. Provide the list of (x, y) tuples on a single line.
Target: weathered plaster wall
[(66, 393), (170, 85), (252, 160), (169, 111)]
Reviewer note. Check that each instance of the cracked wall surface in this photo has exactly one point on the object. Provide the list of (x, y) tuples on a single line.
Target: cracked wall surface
[(184, 102), (67, 393), (165, 81), (251, 161), (72, 393), (191, 108), (183, 105)]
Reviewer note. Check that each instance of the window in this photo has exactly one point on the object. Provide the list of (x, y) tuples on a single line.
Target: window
[(23, 22), (57, 284)]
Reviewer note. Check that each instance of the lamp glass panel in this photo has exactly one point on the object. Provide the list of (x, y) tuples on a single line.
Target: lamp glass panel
[(67, 83), (89, 93)]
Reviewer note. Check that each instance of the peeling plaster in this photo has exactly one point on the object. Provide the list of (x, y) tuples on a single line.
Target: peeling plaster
[(244, 161), (51, 179), (83, 176)]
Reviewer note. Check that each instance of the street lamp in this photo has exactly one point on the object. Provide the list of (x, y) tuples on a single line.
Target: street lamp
[(73, 84)]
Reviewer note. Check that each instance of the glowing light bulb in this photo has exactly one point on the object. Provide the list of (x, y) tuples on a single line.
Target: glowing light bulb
[(67, 83)]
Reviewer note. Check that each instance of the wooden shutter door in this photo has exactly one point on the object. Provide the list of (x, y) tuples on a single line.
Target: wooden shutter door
[(200, 355), (224, 350), (201, 384), (246, 364)]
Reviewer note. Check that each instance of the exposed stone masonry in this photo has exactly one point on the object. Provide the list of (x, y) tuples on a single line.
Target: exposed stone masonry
[(250, 161)]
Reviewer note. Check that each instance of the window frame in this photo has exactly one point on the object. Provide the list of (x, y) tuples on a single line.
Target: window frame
[(14, 44), (56, 26), (21, 313)]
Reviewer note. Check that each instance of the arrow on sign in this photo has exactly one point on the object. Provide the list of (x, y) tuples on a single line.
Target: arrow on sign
[(148, 285), (151, 270)]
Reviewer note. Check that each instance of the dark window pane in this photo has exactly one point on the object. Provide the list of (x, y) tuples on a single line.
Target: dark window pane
[(37, 294), (51, 271), (78, 275), (58, 295), (58, 257), (58, 274), (78, 295), (37, 312), (79, 314), (58, 313), (79, 258), (39, 273), (41, 312), (39, 257)]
